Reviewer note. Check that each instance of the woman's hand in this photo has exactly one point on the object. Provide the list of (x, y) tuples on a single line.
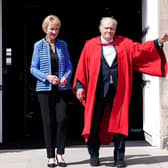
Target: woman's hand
[(53, 79), (63, 81)]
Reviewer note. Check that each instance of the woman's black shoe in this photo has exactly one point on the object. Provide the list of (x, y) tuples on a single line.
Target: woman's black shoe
[(51, 162), (60, 161), (51, 165), (62, 164)]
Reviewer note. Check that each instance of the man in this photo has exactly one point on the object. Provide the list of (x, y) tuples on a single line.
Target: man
[(103, 84)]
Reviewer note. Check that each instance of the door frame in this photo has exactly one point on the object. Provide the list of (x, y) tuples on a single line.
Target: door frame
[(1, 71), (151, 92)]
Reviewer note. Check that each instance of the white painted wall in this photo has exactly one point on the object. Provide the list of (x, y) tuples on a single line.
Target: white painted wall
[(1, 70), (151, 95)]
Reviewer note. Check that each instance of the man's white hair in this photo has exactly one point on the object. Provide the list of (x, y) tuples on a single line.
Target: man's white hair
[(108, 17)]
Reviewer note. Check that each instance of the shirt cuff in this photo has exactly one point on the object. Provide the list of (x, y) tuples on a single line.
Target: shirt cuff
[(157, 44), (79, 85)]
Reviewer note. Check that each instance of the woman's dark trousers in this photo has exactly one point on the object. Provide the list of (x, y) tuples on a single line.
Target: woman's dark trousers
[(53, 111)]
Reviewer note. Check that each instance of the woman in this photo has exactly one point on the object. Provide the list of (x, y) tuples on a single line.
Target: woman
[(51, 66)]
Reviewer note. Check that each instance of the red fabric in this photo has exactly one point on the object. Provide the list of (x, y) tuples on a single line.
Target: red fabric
[(143, 57)]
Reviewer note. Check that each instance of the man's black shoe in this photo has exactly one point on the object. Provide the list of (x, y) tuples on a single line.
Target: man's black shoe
[(119, 163), (94, 161)]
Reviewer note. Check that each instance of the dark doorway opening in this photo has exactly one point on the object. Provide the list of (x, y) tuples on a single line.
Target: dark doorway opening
[(21, 114)]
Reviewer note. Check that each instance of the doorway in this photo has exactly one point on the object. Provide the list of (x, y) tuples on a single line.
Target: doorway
[(21, 111)]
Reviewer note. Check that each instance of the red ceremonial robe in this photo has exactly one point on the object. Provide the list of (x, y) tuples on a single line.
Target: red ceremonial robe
[(144, 58)]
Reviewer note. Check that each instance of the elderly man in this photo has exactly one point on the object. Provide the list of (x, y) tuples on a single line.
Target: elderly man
[(103, 84)]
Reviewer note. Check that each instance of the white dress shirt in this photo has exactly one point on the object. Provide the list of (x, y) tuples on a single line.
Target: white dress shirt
[(109, 52)]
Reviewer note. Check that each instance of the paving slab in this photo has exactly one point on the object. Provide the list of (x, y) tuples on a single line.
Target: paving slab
[(139, 154)]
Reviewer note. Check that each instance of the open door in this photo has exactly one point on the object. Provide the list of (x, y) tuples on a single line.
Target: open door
[(21, 116), (151, 96)]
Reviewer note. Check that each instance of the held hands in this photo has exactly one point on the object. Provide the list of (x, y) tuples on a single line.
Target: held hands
[(54, 80), (163, 38), (80, 94)]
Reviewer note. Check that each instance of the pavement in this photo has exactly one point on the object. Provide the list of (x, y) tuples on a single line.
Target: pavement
[(139, 154)]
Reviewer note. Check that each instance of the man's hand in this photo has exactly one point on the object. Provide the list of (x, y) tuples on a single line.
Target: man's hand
[(163, 38), (80, 94)]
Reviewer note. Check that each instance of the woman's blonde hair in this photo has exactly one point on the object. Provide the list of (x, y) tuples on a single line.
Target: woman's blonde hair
[(50, 19)]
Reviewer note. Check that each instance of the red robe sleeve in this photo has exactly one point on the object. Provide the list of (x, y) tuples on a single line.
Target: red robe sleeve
[(149, 60)]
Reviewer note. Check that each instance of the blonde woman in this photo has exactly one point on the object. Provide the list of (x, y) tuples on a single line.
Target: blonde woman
[(52, 67)]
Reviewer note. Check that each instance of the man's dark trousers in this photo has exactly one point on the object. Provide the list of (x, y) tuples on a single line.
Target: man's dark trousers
[(93, 142)]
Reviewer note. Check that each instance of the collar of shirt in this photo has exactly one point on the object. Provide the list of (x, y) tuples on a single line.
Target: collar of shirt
[(105, 41)]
